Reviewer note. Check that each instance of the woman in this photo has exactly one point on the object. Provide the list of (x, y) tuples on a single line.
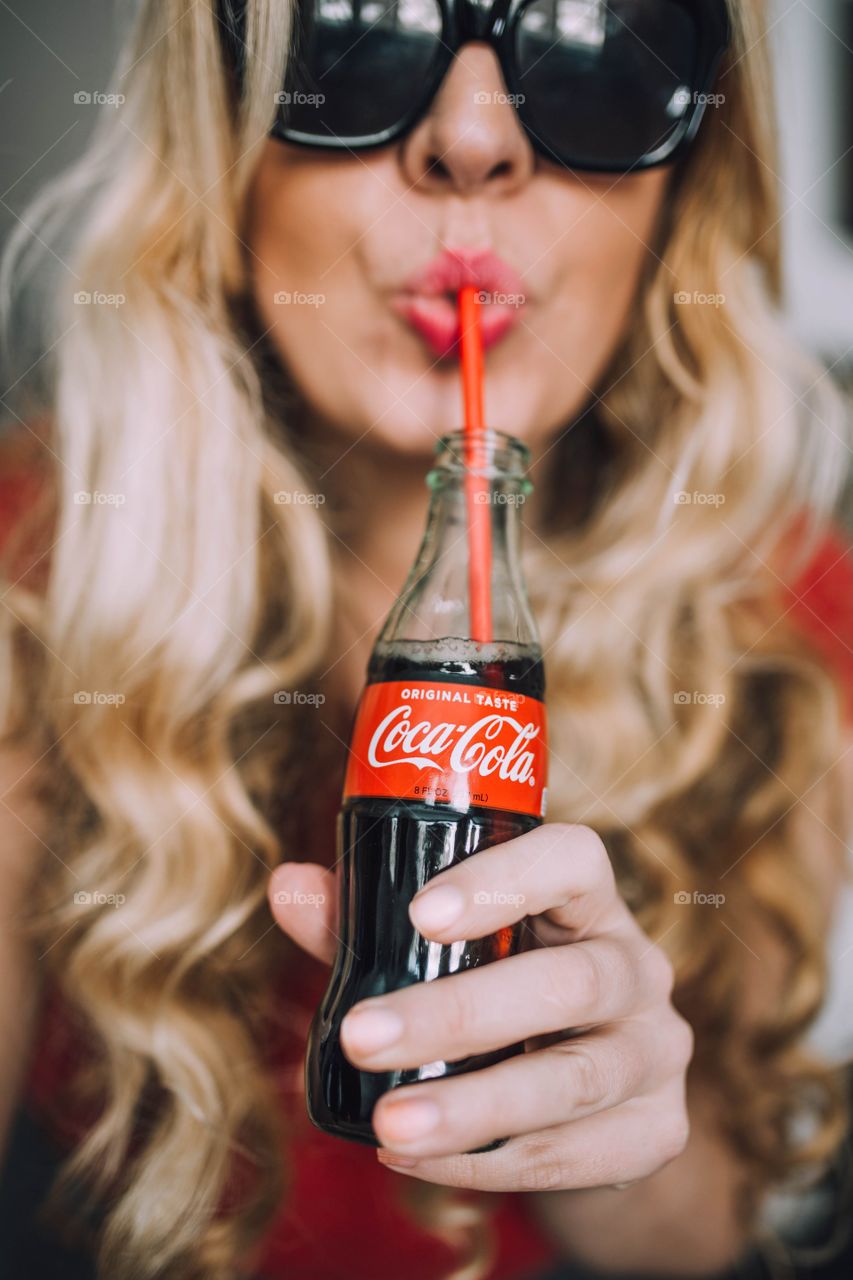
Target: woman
[(253, 319)]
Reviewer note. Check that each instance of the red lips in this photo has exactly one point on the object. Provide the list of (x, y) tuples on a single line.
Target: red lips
[(428, 299)]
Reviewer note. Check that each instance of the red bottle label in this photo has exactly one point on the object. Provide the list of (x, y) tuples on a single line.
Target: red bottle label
[(463, 745)]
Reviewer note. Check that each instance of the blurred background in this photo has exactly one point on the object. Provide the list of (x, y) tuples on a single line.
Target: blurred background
[(52, 51)]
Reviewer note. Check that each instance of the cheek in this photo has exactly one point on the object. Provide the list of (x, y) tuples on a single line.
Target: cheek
[(608, 233), (305, 276), (321, 237), (278, 260)]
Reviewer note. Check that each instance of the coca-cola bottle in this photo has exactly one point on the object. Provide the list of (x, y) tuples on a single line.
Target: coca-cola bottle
[(447, 757)]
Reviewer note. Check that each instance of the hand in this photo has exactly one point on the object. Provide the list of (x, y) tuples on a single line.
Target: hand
[(602, 1107)]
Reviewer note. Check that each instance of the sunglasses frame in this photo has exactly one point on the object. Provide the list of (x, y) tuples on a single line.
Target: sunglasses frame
[(466, 20)]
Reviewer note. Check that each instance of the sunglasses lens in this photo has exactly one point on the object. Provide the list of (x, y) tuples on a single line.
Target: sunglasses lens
[(606, 83), (356, 69)]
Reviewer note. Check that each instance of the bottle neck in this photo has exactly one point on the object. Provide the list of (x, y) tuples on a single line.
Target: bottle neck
[(436, 600)]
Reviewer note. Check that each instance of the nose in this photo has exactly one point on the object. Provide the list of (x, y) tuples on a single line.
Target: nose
[(470, 141)]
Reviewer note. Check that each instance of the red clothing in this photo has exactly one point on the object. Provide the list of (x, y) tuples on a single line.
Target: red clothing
[(343, 1217), (821, 605)]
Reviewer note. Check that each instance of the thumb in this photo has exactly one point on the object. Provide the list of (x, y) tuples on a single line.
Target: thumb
[(303, 899)]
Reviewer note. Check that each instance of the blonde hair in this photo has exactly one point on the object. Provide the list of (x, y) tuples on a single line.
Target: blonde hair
[(217, 596)]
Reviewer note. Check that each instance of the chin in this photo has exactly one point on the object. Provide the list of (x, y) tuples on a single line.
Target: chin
[(408, 430), (414, 400), (413, 429)]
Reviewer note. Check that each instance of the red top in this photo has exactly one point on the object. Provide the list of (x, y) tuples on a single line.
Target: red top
[(343, 1217)]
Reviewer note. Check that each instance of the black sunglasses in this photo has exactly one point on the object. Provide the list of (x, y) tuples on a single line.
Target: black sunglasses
[(602, 85)]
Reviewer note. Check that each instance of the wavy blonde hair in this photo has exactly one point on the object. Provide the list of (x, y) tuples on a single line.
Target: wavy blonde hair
[(216, 596)]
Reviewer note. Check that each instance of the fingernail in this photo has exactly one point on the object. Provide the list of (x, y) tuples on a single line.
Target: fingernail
[(394, 1158), (369, 1029), (437, 908), (404, 1121)]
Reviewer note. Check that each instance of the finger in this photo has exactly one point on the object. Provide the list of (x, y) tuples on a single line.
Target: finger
[(303, 900), (479, 1010), (566, 1081), (558, 869), (628, 1142)]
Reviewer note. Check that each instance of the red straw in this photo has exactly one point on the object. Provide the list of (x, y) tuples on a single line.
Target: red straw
[(476, 485)]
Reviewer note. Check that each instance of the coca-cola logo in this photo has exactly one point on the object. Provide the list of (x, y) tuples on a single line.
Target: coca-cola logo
[(494, 744), (444, 742)]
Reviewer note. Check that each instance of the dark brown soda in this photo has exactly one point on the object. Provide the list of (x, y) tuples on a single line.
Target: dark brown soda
[(387, 851)]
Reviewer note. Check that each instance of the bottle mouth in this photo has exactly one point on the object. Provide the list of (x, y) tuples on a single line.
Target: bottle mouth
[(498, 454)]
